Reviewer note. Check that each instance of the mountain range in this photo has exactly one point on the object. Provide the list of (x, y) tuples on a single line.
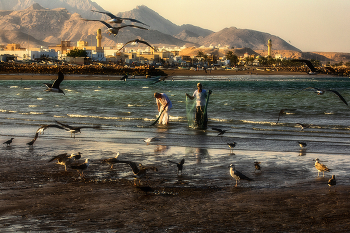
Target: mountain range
[(36, 23)]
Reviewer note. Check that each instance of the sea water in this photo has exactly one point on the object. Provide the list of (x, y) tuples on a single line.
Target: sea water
[(247, 106)]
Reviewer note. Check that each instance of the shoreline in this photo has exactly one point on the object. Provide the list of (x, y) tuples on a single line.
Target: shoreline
[(174, 74)]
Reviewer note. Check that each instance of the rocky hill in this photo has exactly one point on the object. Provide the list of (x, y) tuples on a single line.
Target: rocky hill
[(49, 22)]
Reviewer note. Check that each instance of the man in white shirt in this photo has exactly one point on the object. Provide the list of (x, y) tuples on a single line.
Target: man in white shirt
[(200, 94), (163, 103)]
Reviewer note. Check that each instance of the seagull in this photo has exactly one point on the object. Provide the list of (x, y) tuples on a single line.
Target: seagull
[(320, 167), (55, 87), (115, 30), (73, 130), (179, 165), (257, 166), (112, 161), (31, 143), (138, 170), (321, 92), (332, 181), (151, 139), (8, 142), (302, 126), (115, 19), (302, 144), (81, 167), (221, 131), (309, 64), (75, 156), (62, 159), (231, 145), (137, 41), (237, 175), (282, 111)]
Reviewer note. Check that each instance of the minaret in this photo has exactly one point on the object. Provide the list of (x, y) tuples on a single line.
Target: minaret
[(269, 47), (99, 38)]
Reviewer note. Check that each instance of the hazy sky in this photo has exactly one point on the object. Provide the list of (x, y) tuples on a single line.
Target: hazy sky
[(310, 25)]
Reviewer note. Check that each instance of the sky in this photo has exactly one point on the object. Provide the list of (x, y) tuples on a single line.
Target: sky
[(309, 25)]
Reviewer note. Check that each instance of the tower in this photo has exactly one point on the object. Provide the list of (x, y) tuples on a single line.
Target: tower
[(269, 47), (99, 38)]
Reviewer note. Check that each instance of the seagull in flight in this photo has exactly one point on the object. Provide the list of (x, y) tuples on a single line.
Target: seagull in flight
[(309, 64), (41, 131), (73, 130), (138, 170), (221, 131), (282, 111), (137, 41), (116, 19), (302, 144), (302, 126), (321, 92), (55, 87), (237, 175), (63, 159), (179, 165), (115, 30)]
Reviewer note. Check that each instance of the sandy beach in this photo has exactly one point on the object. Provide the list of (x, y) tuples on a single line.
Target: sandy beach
[(42, 199)]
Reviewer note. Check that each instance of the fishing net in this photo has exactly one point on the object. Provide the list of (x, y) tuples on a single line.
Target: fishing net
[(190, 111)]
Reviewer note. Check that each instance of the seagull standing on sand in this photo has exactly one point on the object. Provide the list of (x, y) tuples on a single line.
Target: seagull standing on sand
[(111, 161), (55, 87), (332, 181), (62, 159), (81, 167), (237, 175), (75, 129), (115, 19), (231, 145), (179, 165), (257, 166), (320, 167), (115, 30), (302, 144), (8, 142)]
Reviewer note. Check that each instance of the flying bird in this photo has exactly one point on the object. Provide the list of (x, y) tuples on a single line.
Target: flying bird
[(73, 130), (31, 143), (321, 167), (81, 167), (221, 131), (179, 165), (115, 30), (321, 92), (237, 175), (137, 41), (55, 87), (139, 170), (309, 64), (112, 161), (41, 131), (283, 111), (116, 19), (151, 139), (302, 126), (8, 142)]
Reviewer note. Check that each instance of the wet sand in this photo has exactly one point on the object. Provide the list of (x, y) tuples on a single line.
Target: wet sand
[(37, 196)]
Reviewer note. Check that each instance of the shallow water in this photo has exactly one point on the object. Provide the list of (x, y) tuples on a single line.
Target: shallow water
[(246, 105)]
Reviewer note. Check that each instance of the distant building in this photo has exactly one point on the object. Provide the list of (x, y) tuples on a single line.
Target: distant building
[(269, 47)]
